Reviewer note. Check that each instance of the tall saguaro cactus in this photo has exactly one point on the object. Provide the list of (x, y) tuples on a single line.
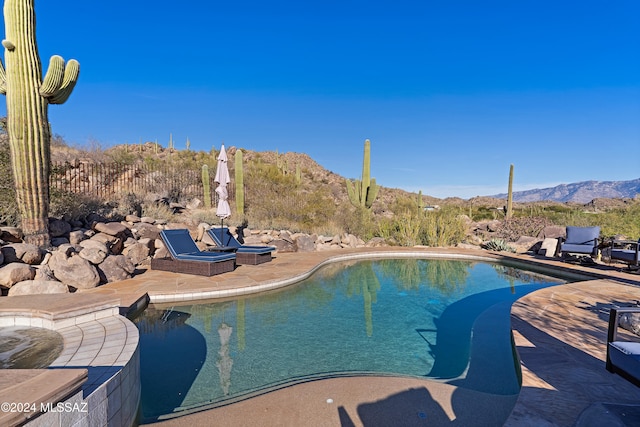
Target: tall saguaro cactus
[(362, 193), (28, 98), (509, 212)]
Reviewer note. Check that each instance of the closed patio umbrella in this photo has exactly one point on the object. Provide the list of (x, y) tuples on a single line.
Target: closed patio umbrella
[(222, 178)]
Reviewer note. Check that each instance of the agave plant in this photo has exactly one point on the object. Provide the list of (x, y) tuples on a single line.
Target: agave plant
[(498, 245)]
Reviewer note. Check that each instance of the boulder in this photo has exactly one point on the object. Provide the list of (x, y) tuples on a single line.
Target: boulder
[(349, 241), (94, 244), (57, 241), (324, 247), (74, 271), (43, 272), (16, 272), (285, 235), (202, 230), (526, 244), (113, 243), (145, 230), (35, 287), (132, 218), (194, 204), (283, 245), (493, 226), (59, 227), (11, 234), (266, 238), (110, 228), (137, 253), (22, 252), (94, 255), (552, 232), (207, 240), (115, 268), (376, 242), (305, 243)]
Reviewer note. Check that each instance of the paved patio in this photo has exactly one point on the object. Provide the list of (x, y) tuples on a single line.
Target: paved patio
[(560, 334)]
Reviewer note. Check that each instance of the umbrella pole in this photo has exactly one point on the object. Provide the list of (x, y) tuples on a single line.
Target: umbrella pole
[(221, 228)]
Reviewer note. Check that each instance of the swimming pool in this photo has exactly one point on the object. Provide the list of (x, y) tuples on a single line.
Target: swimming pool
[(446, 320)]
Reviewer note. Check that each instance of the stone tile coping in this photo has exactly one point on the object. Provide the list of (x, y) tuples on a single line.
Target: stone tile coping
[(28, 391), (56, 311)]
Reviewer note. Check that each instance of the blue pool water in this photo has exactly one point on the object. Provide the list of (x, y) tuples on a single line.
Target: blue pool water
[(444, 320)]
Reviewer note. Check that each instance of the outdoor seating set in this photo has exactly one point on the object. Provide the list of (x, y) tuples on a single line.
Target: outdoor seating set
[(186, 257), (623, 356), (583, 241)]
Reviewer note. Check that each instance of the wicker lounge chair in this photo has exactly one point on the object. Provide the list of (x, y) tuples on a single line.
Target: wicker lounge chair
[(627, 251), (623, 356), (185, 257), (581, 241), (245, 254)]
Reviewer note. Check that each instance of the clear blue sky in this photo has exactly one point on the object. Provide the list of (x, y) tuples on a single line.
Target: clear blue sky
[(449, 92)]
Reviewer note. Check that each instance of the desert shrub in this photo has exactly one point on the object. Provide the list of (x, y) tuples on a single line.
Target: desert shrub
[(276, 200), (435, 228), (157, 211), (444, 227), (8, 206), (74, 206), (403, 229), (357, 221)]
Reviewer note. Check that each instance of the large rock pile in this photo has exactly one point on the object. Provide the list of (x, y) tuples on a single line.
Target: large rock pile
[(88, 254)]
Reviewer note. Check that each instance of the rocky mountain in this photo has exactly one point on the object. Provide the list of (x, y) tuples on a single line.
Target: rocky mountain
[(579, 192)]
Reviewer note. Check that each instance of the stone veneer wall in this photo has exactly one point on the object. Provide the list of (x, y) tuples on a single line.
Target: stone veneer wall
[(114, 403)]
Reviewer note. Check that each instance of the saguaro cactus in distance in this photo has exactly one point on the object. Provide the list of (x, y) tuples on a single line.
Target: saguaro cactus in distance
[(509, 211), (206, 185), (239, 175), (362, 193), (28, 98)]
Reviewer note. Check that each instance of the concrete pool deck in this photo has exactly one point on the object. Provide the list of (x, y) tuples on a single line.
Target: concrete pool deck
[(560, 334)]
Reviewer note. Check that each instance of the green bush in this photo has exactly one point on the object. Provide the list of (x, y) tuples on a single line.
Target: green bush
[(443, 227)]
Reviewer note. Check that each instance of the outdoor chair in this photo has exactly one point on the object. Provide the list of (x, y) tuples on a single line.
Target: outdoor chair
[(623, 356), (245, 254), (626, 251), (185, 257), (581, 241)]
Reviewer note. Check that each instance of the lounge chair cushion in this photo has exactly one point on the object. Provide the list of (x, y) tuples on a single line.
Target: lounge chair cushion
[(179, 242), (582, 235), (205, 256), (625, 355), (624, 254), (181, 246), (582, 240), (229, 240)]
